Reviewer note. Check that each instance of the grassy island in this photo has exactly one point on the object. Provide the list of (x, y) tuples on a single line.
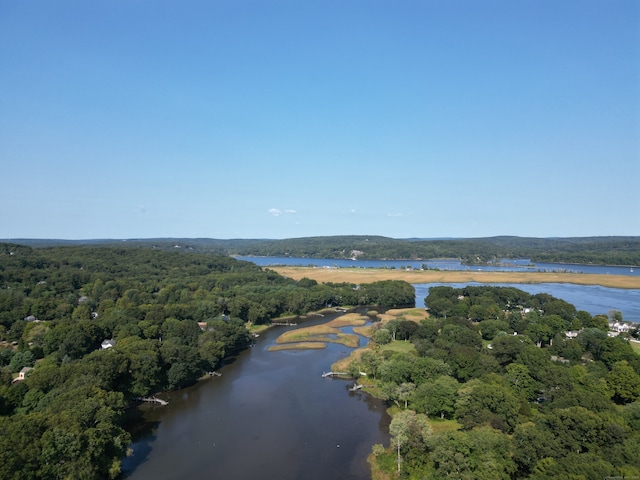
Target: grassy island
[(317, 336)]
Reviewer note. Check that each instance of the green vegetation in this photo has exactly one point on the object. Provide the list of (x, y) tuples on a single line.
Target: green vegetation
[(584, 250), (317, 336), (494, 388), (171, 315)]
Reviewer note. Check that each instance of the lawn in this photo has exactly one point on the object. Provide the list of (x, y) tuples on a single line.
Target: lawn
[(403, 346)]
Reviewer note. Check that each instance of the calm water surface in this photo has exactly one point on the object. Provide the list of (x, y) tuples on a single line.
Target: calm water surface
[(506, 265), (590, 298), (270, 415)]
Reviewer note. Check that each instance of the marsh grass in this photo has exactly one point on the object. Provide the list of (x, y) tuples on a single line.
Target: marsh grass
[(322, 334), (343, 364), (348, 320), (415, 314), (368, 275), (298, 346), (364, 331)]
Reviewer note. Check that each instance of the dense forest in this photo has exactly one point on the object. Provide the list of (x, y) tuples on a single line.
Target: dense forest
[(93, 328), (501, 384), (585, 250)]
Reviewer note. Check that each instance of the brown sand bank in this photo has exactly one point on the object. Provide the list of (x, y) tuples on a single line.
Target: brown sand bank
[(368, 275)]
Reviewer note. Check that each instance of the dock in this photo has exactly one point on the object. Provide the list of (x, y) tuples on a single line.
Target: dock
[(157, 400), (332, 374)]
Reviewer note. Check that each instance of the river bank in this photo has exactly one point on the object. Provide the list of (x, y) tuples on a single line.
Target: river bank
[(273, 407), (368, 275)]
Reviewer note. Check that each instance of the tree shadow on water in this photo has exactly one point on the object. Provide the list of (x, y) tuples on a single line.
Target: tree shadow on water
[(143, 435)]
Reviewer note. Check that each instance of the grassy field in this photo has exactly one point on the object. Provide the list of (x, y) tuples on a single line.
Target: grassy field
[(368, 275)]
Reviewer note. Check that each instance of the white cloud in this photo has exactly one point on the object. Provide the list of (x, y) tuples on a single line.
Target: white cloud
[(276, 212)]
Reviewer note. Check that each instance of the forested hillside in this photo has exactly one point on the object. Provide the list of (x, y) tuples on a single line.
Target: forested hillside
[(169, 317), (585, 250), (501, 384)]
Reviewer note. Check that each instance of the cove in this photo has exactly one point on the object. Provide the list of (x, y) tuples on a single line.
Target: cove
[(270, 415)]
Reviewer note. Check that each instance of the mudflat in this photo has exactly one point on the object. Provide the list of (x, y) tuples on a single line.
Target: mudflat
[(368, 275)]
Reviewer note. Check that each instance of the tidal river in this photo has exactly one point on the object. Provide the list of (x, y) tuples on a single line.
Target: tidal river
[(270, 415)]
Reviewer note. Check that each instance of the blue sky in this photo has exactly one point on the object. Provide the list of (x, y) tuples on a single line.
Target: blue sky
[(280, 119)]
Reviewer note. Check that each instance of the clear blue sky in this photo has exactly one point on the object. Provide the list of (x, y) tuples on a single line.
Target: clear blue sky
[(280, 119)]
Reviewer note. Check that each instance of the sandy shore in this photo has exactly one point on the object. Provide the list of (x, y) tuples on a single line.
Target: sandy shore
[(367, 275)]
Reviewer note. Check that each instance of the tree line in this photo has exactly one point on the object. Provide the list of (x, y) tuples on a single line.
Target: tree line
[(171, 315), (615, 250), (493, 388)]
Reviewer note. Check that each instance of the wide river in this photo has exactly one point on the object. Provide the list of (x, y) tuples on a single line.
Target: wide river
[(270, 415), (505, 265), (590, 298)]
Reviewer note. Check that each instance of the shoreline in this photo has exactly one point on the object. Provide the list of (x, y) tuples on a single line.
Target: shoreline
[(457, 259), (368, 275)]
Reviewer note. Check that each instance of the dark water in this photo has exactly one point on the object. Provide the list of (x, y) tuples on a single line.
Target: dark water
[(270, 415)]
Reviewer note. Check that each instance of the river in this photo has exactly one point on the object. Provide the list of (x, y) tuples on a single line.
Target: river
[(505, 265), (270, 415), (590, 298)]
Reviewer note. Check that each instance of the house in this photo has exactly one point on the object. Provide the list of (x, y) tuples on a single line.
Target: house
[(619, 327), (22, 374), (107, 344)]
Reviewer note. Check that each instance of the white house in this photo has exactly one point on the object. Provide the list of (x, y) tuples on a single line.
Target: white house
[(22, 373), (619, 327)]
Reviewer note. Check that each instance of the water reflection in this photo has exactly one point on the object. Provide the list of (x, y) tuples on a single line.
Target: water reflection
[(591, 298), (270, 415)]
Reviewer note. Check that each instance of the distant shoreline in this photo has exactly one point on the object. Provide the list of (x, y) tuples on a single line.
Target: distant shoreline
[(368, 275)]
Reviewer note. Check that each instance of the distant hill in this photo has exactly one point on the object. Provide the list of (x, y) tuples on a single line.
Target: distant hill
[(584, 250)]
